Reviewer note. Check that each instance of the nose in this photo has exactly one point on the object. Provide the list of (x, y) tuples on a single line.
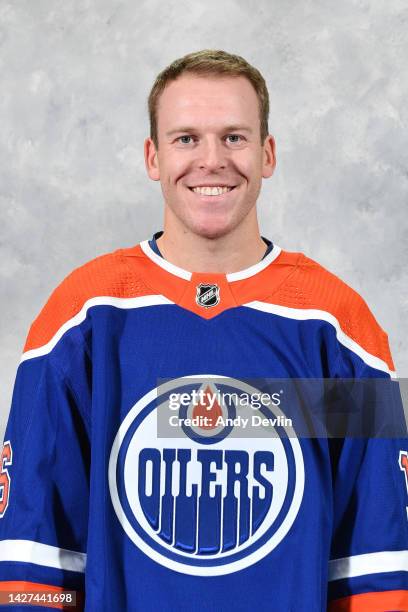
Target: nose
[(212, 154)]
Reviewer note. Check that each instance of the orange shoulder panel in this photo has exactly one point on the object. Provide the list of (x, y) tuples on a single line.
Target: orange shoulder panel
[(381, 601), (107, 275), (311, 286)]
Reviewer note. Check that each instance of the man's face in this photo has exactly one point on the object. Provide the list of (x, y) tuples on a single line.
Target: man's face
[(209, 136)]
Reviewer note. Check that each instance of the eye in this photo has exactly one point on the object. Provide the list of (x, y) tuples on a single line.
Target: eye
[(237, 138), (180, 139)]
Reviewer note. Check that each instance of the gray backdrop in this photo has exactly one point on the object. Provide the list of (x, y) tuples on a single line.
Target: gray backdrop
[(74, 78)]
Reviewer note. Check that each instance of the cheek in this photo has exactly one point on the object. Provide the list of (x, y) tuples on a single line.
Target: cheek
[(248, 164), (174, 168)]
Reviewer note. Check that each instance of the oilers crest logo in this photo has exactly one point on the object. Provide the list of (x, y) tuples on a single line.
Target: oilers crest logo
[(207, 501)]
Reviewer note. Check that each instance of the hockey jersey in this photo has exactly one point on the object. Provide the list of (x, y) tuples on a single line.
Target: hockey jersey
[(101, 498)]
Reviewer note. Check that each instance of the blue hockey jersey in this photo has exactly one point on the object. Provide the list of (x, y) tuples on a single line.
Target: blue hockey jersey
[(97, 499)]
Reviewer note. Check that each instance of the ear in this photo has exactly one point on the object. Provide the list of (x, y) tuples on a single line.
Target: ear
[(151, 160), (269, 157)]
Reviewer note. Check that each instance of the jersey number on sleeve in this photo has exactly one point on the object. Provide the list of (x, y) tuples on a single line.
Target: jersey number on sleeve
[(403, 463), (6, 460)]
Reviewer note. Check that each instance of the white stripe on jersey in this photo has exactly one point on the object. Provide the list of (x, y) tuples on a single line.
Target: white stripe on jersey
[(155, 300), (303, 314), (136, 302), (370, 563), (28, 551)]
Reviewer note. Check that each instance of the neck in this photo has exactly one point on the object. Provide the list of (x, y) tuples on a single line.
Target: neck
[(240, 248)]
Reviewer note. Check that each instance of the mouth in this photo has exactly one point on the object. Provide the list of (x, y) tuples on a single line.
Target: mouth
[(214, 193)]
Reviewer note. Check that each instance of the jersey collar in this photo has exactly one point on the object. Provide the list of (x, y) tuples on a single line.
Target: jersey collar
[(210, 294), (231, 277)]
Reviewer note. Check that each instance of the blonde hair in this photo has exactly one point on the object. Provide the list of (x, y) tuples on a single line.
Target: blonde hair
[(210, 62)]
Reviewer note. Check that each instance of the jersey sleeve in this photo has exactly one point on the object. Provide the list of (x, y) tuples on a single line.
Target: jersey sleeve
[(368, 569), (44, 478)]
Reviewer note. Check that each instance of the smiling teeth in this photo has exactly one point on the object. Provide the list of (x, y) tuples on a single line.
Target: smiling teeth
[(212, 191)]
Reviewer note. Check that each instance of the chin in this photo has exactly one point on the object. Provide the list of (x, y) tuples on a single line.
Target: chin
[(211, 230)]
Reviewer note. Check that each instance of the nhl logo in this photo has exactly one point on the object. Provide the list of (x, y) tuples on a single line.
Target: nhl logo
[(207, 295)]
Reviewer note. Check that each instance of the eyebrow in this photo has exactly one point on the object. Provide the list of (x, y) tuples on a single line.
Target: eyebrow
[(228, 128)]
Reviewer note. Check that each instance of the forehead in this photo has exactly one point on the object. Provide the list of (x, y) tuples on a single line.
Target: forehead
[(202, 100)]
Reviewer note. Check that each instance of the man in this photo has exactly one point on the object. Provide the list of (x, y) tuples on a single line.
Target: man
[(101, 496)]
